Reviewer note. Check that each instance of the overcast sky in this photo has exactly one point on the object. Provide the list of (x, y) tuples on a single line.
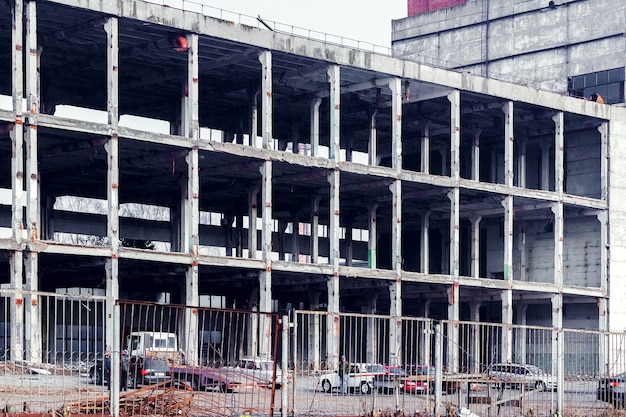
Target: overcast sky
[(365, 20)]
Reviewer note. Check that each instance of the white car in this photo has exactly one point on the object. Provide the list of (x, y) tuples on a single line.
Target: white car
[(515, 374), (260, 368), (360, 378)]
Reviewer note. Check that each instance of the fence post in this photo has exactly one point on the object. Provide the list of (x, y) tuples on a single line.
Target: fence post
[(284, 364), (438, 369)]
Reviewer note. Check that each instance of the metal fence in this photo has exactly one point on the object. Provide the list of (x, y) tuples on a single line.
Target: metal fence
[(55, 356)]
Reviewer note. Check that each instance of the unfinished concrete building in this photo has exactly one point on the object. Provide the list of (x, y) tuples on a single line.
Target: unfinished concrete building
[(272, 171), (574, 47)]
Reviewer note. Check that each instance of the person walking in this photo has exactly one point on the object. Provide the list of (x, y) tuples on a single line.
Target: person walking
[(344, 370), (124, 362)]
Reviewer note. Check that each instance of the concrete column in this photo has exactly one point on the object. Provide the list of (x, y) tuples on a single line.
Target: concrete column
[(520, 349), (16, 264), (425, 246), (396, 227), (395, 86), (476, 155), (32, 331), (559, 171), (395, 322), (349, 221), (509, 159), (253, 333), (603, 345), (475, 251), (604, 160), (332, 322), (453, 328), (192, 216), (521, 243), (315, 215), (455, 226), (557, 209), (507, 203), (521, 163), (425, 146), (295, 237), (372, 236), (253, 193), (372, 149), (254, 116), (475, 337), (314, 332), (113, 175), (315, 126), (395, 288), (371, 355), (265, 58), (603, 218), (558, 348), (507, 319), (455, 134), (545, 165), (424, 353), (335, 128)]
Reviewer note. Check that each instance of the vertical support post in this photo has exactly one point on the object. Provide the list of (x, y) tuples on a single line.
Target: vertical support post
[(115, 351), (522, 341), (425, 246), (426, 337), (372, 151), (315, 218), (475, 337), (506, 297), (113, 175), (17, 182), (284, 393), (508, 143), (253, 193), (475, 251), (521, 237), (438, 410), (314, 331), (396, 124), (507, 203), (559, 145), (603, 326), (335, 116), (604, 160), (265, 58), (333, 280), (395, 288), (521, 163), (455, 134), (315, 126), (295, 237), (545, 165), (476, 155), (453, 290), (425, 146), (254, 117), (558, 348), (372, 236), (371, 343), (32, 333)]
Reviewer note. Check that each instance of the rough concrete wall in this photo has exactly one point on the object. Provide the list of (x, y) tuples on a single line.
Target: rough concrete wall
[(581, 252), (495, 251), (531, 38), (539, 253), (617, 222), (582, 159), (575, 316)]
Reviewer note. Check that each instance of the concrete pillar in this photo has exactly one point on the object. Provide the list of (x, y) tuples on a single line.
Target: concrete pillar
[(453, 195), (523, 257), (192, 216), (253, 95), (476, 155), (453, 328), (604, 160), (603, 218), (506, 297), (545, 165), (475, 337), (33, 330), (558, 348), (559, 171), (425, 146), (520, 348), (372, 353), (112, 149), (334, 116), (395, 86), (395, 322), (265, 277), (372, 236), (315, 215), (315, 126), (603, 345), (314, 332), (253, 193), (424, 353), (521, 163), (509, 158), (253, 339), (425, 245), (475, 250), (507, 203), (557, 209), (372, 150)]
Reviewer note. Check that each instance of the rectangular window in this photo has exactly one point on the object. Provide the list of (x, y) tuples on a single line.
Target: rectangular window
[(608, 84)]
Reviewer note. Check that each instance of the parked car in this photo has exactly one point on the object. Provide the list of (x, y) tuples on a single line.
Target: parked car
[(388, 378), (420, 380), (514, 375), (96, 373), (260, 368), (360, 378), (147, 371), (612, 389)]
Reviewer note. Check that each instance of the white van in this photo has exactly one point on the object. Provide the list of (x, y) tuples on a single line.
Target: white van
[(150, 343)]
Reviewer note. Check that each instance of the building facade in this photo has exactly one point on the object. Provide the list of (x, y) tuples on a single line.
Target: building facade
[(270, 172), (575, 47)]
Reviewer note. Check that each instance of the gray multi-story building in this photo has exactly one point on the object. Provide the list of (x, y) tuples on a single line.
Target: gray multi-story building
[(575, 47), (272, 171)]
